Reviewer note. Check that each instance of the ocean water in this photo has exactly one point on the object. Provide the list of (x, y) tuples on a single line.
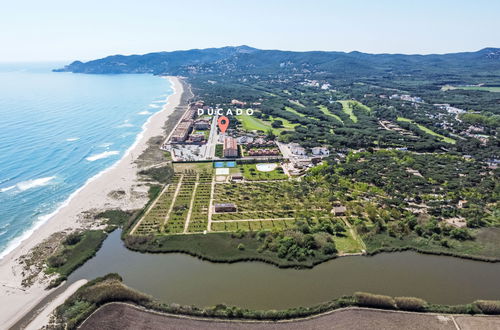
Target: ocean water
[(57, 131)]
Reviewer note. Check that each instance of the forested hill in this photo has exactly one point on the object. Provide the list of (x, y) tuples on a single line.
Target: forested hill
[(248, 60)]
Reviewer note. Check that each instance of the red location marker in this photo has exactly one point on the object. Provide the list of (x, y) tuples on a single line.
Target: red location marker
[(223, 123)]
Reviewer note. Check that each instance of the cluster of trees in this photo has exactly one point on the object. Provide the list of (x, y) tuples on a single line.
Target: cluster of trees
[(475, 118), (308, 239), (419, 176), (392, 183)]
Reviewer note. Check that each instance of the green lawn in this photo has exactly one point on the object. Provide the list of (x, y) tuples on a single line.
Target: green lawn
[(347, 245), (198, 167), (327, 112), (347, 107), (292, 110), (286, 123), (428, 131), (297, 103), (250, 172), (472, 88), (251, 123)]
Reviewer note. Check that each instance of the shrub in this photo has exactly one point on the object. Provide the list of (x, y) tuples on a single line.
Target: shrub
[(410, 303), (374, 300), (330, 248), (461, 234), (73, 238), (261, 235), (238, 234), (160, 174), (56, 261), (113, 291), (277, 124), (488, 306)]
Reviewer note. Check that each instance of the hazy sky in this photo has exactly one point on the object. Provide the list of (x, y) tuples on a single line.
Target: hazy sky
[(32, 30)]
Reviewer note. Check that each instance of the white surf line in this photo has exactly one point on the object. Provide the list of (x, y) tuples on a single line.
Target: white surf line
[(102, 155), (188, 217), (174, 198)]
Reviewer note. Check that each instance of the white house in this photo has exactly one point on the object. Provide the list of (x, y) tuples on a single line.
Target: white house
[(320, 151)]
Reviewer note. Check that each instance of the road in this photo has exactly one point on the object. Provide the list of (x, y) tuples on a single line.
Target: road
[(212, 140), (285, 151)]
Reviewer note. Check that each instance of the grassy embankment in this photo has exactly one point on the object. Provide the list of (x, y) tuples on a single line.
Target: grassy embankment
[(219, 247), (110, 288), (428, 131), (484, 247), (80, 246)]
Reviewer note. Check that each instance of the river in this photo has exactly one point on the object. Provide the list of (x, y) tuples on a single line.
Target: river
[(186, 280)]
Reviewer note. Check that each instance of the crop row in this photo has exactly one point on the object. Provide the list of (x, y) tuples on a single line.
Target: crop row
[(252, 225), (199, 213)]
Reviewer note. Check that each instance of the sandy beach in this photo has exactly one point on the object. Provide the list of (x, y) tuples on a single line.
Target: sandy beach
[(95, 195)]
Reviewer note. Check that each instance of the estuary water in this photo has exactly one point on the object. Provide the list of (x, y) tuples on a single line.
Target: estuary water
[(180, 278)]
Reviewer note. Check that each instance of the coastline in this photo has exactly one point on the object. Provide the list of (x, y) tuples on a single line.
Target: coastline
[(93, 195)]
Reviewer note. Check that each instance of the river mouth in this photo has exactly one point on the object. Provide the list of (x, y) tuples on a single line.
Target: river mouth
[(183, 279)]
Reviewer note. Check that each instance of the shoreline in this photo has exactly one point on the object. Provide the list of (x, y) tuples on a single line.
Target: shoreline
[(18, 241), (70, 215)]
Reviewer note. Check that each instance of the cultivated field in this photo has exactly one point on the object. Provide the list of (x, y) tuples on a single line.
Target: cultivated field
[(186, 205)]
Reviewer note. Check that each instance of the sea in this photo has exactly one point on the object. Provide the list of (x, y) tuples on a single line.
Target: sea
[(58, 131)]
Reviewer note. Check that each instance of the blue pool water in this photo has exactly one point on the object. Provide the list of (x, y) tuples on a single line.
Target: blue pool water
[(57, 130), (224, 164)]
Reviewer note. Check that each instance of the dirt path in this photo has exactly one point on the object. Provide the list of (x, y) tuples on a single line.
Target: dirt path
[(177, 189), (188, 217), (210, 205), (355, 235)]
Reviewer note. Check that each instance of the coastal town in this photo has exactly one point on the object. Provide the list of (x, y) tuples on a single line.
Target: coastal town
[(250, 165), (197, 139)]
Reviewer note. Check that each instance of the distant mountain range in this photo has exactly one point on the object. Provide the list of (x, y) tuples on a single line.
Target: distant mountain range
[(248, 60)]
